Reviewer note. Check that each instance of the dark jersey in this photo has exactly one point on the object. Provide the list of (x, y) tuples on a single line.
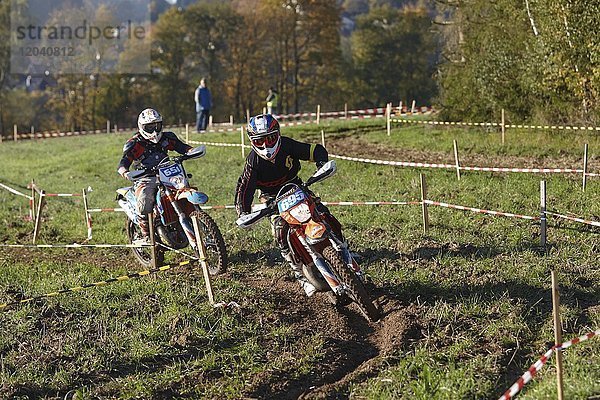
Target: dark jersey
[(145, 154), (270, 176)]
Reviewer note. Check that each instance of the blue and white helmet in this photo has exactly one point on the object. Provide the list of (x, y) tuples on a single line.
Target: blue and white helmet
[(265, 136), (150, 125)]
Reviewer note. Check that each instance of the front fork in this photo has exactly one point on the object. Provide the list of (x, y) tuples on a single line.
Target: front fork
[(184, 220), (322, 266)]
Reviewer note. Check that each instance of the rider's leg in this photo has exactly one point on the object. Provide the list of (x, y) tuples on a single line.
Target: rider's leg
[(145, 193), (280, 231)]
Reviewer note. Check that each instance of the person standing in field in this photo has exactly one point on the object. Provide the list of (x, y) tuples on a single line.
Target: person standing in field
[(272, 101), (203, 99)]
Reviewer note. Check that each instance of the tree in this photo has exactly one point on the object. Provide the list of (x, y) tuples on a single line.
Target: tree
[(394, 55)]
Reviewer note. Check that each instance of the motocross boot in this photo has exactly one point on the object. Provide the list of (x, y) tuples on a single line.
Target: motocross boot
[(145, 231), (308, 287)]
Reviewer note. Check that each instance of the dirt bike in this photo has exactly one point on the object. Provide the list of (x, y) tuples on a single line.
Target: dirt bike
[(316, 241), (176, 203)]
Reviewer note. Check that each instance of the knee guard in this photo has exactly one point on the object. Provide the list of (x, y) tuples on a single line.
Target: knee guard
[(280, 229)]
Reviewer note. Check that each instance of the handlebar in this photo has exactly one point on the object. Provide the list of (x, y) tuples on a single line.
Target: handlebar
[(196, 152)]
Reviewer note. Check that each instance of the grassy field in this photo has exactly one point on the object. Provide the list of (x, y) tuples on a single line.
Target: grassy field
[(467, 306)]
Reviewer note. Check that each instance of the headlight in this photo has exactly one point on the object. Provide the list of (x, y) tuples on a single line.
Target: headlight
[(301, 212), (177, 182)]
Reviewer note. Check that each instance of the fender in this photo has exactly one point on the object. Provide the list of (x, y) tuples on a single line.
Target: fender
[(193, 196)]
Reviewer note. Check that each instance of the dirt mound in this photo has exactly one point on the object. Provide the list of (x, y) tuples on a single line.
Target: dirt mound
[(353, 348)]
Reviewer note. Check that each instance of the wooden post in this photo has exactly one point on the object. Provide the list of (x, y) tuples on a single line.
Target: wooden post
[(400, 108), (247, 115), (388, 117), (585, 165), (242, 141), (88, 217), (318, 113), (346, 110), (264, 110), (557, 335), (503, 126), (116, 129), (15, 132), (210, 121), (423, 204), (543, 221), (412, 109), (187, 132), (202, 259), (456, 160), (32, 130), (38, 216), (107, 126), (32, 213), (322, 137), (231, 120), (152, 239)]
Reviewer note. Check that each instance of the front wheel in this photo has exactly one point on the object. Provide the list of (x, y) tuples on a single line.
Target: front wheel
[(216, 252), (142, 254), (356, 289)]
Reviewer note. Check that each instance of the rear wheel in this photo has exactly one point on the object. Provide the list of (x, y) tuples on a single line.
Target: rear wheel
[(216, 252), (356, 289), (143, 254)]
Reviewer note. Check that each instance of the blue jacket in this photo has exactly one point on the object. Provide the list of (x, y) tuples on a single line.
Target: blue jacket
[(203, 99)]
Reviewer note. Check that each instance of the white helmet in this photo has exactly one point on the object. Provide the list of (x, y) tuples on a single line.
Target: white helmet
[(150, 125), (265, 135)]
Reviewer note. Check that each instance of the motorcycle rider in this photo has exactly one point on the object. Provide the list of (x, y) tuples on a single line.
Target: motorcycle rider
[(274, 161), (146, 149)]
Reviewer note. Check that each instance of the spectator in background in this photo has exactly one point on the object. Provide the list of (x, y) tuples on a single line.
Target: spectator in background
[(203, 99), (272, 101)]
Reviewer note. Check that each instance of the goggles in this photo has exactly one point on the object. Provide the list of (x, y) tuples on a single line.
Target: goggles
[(152, 127), (266, 141)]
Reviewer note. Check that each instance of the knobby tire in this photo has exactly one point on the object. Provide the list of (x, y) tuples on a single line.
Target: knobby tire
[(216, 256), (357, 289)]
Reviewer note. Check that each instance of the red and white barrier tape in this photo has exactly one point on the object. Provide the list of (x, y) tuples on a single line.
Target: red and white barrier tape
[(371, 203), (61, 194), (14, 191), (479, 210), (532, 170), (576, 219), (488, 124), (330, 203), (537, 366), (527, 376), (463, 168), (411, 121), (396, 163), (68, 246), (582, 338)]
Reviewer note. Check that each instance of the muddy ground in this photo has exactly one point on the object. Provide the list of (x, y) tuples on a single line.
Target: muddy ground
[(355, 349)]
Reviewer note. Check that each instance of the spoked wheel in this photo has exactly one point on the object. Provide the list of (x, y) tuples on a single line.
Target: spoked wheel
[(216, 252), (356, 289), (143, 254)]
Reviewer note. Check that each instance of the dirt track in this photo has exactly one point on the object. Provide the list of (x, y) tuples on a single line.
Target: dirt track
[(355, 348)]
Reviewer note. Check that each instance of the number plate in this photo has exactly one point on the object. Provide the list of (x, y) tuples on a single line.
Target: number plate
[(171, 171), (291, 201)]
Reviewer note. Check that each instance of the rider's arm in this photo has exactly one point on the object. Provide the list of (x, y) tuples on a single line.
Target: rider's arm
[(246, 186), (127, 158), (309, 152), (176, 144)]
